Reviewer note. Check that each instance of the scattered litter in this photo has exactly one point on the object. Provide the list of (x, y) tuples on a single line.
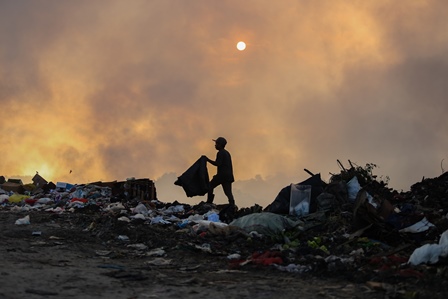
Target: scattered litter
[(418, 227), (293, 268), (138, 216), (430, 253), (23, 221), (140, 209), (213, 217), (159, 220), (4, 198), (204, 247), (235, 256), (183, 223), (156, 252), (123, 238), (17, 198), (115, 207), (44, 200)]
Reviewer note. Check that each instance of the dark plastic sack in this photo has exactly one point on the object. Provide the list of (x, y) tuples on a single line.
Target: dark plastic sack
[(195, 180)]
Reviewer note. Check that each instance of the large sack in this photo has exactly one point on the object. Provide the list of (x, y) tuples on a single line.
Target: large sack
[(195, 180), (265, 223)]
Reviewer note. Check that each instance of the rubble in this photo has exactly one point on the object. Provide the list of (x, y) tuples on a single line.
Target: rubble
[(357, 228)]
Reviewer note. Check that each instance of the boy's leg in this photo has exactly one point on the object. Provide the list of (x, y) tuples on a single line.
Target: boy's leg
[(210, 196), (227, 188)]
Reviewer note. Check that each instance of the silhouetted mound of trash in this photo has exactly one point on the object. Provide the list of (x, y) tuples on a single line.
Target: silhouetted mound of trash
[(353, 227)]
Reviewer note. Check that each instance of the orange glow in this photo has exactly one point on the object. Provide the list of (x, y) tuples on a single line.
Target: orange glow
[(130, 90)]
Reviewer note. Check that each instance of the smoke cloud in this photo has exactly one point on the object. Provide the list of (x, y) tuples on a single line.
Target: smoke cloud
[(106, 90)]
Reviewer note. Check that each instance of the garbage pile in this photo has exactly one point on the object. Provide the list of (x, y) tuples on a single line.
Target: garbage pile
[(353, 226)]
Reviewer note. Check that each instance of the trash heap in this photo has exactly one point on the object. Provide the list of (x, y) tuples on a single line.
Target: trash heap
[(354, 226)]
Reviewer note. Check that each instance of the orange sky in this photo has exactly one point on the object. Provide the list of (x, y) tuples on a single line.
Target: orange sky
[(116, 89)]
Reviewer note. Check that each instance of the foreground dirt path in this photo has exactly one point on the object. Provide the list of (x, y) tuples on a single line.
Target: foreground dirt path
[(58, 257), (32, 271)]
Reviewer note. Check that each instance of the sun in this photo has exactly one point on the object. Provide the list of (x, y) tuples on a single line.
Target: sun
[(241, 46)]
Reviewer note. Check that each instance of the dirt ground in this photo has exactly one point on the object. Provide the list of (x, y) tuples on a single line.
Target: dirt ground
[(92, 255)]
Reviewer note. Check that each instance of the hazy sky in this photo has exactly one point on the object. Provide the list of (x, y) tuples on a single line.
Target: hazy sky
[(112, 89)]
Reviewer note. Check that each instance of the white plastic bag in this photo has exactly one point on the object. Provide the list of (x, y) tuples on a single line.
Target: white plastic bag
[(418, 227), (430, 253), (23, 221), (353, 188)]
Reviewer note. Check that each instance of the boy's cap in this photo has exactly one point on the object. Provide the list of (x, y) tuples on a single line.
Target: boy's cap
[(220, 140)]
